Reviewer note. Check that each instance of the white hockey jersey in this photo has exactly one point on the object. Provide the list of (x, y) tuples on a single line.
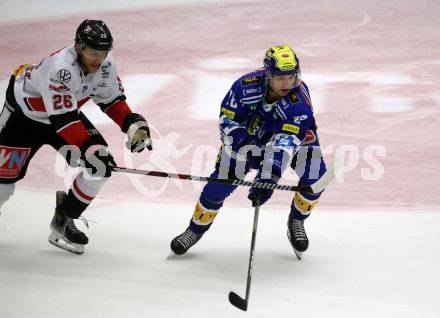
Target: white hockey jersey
[(52, 92)]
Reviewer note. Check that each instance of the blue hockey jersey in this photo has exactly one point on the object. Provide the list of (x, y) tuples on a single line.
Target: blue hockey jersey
[(285, 124)]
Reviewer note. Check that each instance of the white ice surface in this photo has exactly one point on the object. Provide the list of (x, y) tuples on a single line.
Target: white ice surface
[(386, 104), (138, 86), (360, 264), (210, 90)]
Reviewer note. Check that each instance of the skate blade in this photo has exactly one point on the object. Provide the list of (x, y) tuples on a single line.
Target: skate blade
[(59, 241), (172, 255), (298, 254)]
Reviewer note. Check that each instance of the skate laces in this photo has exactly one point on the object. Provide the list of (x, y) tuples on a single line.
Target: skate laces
[(297, 227), (86, 221), (189, 238), (70, 224)]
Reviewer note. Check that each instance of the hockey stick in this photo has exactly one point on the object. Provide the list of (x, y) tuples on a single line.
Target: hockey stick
[(234, 299), (316, 187)]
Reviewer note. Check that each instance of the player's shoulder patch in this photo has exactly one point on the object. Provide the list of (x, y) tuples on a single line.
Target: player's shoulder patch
[(310, 137), (251, 80), (21, 69), (293, 97), (228, 113)]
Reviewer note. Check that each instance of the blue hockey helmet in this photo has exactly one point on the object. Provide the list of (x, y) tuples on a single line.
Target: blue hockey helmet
[(281, 60), (94, 34)]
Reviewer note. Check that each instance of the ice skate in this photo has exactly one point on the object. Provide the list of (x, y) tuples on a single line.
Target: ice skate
[(64, 233), (183, 242), (297, 236)]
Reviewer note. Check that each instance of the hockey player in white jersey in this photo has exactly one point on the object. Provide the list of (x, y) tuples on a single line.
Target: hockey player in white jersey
[(42, 107)]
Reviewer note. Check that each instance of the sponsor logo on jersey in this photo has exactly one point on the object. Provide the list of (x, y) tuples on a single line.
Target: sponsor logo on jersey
[(286, 142), (61, 88), (85, 87), (229, 113), (282, 142), (12, 160), (251, 91), (251, 80), (64, 76), (310, 137), (56, 80), (294, 98), (256, 123), (105, 72), (290, 128)]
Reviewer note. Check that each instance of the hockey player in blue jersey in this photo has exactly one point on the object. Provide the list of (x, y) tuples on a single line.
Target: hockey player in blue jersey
[(266, 122)]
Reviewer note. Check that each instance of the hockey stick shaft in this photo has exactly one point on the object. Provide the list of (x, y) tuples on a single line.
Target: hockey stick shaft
[(236, 300), (252, 250), (316, 187)]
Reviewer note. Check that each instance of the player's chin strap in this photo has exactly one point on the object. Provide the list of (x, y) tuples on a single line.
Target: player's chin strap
[(316, 187)]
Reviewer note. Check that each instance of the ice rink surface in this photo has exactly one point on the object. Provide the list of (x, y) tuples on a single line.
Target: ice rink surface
[(372, 68)]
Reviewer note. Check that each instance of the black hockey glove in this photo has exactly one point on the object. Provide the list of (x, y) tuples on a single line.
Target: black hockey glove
[(138, 133), (97, 159), (263, 193)]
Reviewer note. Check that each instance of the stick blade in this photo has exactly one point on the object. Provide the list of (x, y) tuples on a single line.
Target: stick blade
[(326, 178), (237, 301)]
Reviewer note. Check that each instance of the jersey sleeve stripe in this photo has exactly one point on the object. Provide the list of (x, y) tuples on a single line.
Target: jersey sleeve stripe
[(70, 128), (83, 101), (305, 94), (106, 106), (35, 104), (251, 97), (118, 111), (280, 113)]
